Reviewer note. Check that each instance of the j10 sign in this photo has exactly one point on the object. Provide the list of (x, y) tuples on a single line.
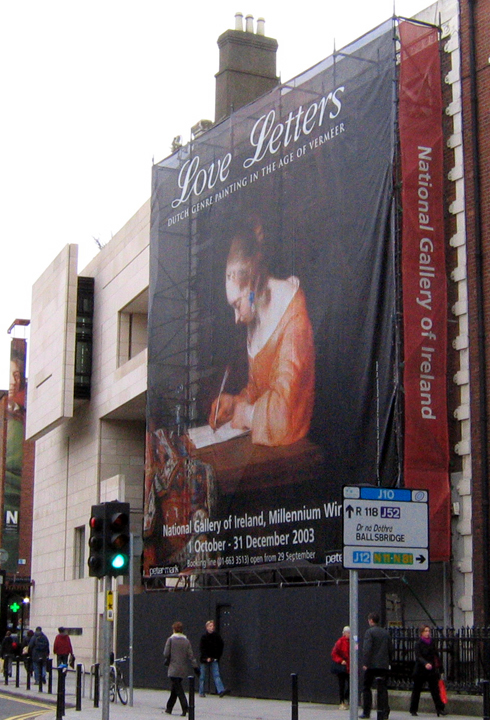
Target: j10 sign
[(385, 528)]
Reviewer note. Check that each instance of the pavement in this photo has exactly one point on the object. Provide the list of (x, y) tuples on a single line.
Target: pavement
[(150, 704)]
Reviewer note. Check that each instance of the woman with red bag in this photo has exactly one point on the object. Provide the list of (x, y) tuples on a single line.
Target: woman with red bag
[(426, 670)]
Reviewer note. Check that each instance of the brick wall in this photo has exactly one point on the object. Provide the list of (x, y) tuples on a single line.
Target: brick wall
[(482, 25)]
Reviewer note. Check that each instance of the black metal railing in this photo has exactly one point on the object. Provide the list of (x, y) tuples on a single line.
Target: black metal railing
[(465, 655)]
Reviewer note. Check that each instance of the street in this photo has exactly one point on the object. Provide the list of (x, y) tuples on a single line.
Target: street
[(11, 709)]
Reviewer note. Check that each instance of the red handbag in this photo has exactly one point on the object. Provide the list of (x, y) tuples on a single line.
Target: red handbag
[(442, 691)]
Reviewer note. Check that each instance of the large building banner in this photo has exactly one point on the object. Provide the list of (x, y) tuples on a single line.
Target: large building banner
[(272, 322), (426, 447)]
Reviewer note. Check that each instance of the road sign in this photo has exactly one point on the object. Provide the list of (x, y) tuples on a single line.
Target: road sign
[(385, 528), (110, 605)]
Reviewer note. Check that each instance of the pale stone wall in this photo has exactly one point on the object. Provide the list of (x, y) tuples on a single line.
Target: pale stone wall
[(52, 346), (96, 455)]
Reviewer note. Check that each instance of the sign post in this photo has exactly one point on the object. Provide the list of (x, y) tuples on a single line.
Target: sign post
[(354, 644), (383, 528)]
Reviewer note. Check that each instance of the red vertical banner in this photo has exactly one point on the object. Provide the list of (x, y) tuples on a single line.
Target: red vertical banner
[(424, 277)]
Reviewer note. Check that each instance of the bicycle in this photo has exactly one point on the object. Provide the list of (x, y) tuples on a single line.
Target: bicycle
[(117, 683)]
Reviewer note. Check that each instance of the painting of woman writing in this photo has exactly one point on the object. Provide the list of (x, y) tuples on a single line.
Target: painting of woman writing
[(277, 403)]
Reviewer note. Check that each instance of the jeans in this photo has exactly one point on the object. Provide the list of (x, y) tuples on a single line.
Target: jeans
[(216, 676), (7, 665), (39, 670)]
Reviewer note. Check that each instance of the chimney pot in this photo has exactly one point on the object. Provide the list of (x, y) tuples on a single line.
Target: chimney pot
[(247, 67), (239, 21), (260, 26)]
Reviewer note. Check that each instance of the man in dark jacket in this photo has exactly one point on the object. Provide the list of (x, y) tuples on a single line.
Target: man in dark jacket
[(376, 664), (39, 649), (211, 650), (7, 651)]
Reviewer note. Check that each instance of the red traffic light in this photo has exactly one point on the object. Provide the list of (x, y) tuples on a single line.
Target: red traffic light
[(96, 523)]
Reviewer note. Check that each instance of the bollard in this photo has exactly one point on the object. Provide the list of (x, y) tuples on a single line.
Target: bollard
[(78, 701), (6, 669), (383, 711), (40, 664), (60, 695), (486, 699), (29, 672), (17, 672), (294, 696), (49, 668), (192, 699), (96, 685)]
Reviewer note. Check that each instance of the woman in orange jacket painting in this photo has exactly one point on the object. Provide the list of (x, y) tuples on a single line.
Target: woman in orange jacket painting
[(277, 402)]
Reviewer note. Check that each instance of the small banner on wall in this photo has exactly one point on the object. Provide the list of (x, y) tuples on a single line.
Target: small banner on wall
[(14, 455), (424, 277)]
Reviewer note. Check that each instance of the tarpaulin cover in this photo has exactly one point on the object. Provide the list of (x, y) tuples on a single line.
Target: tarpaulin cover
[(279, 217)]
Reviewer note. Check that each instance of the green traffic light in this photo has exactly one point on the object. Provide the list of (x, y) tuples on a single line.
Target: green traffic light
[(119, 561), (15, 607)]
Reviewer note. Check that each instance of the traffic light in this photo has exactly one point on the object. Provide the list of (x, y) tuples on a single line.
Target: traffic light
[(117, 538), (96, 543), (3, 604), (109, 539)]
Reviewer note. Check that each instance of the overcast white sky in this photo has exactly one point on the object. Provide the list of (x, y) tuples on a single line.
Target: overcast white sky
[(93, 91)]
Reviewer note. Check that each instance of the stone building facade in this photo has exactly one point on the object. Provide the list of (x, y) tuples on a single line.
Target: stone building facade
[(89, 450)]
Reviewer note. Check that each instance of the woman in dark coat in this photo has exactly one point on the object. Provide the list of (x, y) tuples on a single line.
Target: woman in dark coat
[(426, 670)]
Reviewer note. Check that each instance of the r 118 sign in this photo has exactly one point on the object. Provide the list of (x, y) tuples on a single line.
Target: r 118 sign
[(385, 527)]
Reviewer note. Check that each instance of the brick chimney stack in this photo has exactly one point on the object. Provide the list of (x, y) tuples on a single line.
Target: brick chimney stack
[(247, 66)]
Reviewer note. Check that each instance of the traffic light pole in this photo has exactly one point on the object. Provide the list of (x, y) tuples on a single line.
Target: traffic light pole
[(109, 556), (131, 618), (106, 649)]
